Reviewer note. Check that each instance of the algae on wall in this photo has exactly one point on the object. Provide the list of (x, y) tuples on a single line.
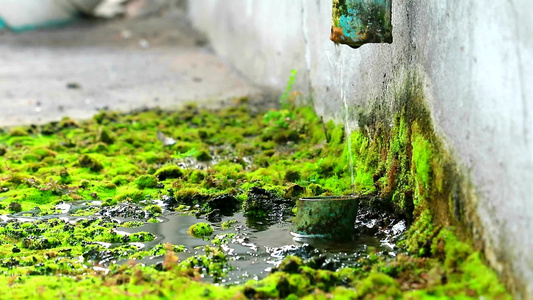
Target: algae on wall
[(398, 154)]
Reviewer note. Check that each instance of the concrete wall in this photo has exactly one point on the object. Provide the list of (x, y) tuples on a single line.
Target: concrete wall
[(474, 57)]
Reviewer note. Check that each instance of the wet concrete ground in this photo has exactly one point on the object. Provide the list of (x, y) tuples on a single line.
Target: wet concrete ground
[(121, 65)]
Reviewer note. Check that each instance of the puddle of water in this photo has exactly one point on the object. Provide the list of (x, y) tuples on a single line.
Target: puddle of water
[(254, 250)]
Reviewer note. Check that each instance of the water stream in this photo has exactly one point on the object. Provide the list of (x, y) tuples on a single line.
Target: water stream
[(347, 130)]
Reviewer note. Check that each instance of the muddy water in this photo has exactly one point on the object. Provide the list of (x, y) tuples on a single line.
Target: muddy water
[(256, 248)]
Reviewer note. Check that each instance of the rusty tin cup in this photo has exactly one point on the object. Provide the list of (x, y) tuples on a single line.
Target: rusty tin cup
[(331, 217)]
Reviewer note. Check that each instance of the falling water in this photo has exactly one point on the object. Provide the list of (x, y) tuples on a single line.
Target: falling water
[(347, 129)]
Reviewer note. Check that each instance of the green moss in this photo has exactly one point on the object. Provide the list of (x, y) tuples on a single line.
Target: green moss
[(335, 133), (422, 155), (162, 249), (200, 230), (420, 235), (378, 285), (34, 195), (98, 148), (129, 194), (14, 207), (228, 224), (364, 166), (90, 162), (84, 212), (105, 136), (141, 237), (18, 131), (203, 156), (30, 157), (291, 176), (120, 180), (116, 157), (109, 202), (190, 196), (197, 176), (168, 172), (146, 181), (154, 209), (291, 264), (152, 157)]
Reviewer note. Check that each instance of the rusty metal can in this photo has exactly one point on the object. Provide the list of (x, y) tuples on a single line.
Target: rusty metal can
[(358, 22), (331, 217)]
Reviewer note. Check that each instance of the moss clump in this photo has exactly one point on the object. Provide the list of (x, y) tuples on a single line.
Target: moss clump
[(120, 180), (200, 230), (378, 285), (146, 181), (191, 196), (154, 210), (18, 131), (168, 172), (105, 137), (301, 281), (109, 202), (132, 224), (291, 176), (140, 237), (291, 264), (422, 153), (294, 191), (105, 117), (68, 123), (162, 249), (203, 156), (420, 235), (39, 243), (98, 148), (197, 176), (129, 194), (14, 207), (87, 161), (466, 266), (228, 224)]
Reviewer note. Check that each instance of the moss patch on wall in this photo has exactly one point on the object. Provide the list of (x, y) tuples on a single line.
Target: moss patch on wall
[(405, 162)]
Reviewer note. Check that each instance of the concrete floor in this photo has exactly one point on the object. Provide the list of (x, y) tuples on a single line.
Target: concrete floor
[(120, 65)]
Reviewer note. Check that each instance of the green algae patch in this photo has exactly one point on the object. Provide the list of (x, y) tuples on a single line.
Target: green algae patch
[(200, 230)]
